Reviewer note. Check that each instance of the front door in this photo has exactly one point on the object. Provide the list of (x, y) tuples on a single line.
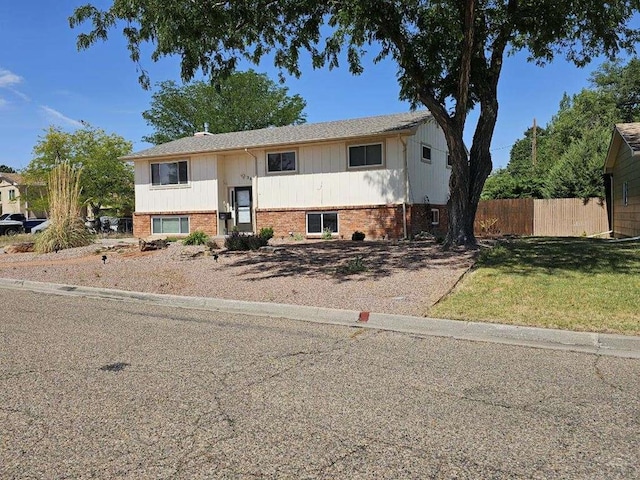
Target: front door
[(242, 203)]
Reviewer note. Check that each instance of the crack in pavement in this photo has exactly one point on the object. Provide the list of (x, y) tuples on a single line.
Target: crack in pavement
[(355, 451), (600, 375)]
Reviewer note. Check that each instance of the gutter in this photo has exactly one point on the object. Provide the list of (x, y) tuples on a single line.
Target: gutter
[(255, 188), (406, 186)]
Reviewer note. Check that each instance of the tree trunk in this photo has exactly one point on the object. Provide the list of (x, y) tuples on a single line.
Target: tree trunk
[(468, 177)]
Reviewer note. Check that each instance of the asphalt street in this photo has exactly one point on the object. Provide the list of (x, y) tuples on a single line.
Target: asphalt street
[(94, 388)]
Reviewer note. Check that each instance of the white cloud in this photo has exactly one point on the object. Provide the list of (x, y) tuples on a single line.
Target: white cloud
[(8, 78), (55, 115), (3, 102), (20, 94), (7, 81)]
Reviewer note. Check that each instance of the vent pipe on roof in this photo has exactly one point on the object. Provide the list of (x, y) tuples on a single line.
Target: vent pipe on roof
[(206, 131)]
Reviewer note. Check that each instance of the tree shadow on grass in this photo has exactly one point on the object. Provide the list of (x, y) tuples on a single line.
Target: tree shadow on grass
[(556, 255), (328, 260)]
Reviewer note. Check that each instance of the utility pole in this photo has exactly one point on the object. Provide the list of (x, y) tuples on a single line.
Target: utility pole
[(534, 144)]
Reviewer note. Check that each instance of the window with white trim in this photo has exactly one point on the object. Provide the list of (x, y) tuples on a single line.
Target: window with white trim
[(435, 216), (281, 162), (318, 222), (369, 155), (12, 194), (625, 194), (170, 173), (449, 160), (426, 153), (176, 225)]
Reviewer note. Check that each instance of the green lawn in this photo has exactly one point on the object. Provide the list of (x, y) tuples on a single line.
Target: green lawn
[(569, 283)]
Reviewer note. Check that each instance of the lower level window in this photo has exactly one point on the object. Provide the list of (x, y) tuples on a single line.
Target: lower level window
[(435, 216), (170, 225), (318, 223)]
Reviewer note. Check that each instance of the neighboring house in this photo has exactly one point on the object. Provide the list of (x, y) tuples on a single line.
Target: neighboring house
[(387, 176), (622, 174), (12, 188)]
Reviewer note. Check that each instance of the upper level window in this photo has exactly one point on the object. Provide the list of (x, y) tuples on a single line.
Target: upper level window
[(281, 162), (426, 153), (365, 155), (169, 173), (12, 194), (625, 194), (449, 159)]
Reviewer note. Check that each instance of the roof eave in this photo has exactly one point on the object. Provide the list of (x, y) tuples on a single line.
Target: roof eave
[(403, 131)]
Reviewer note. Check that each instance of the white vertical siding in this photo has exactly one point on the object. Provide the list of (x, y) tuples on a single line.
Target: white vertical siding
[(323, 179), (200, 194), (428, 179)]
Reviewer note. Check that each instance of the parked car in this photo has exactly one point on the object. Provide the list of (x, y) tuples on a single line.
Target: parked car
[(41, 227), (14, 223)]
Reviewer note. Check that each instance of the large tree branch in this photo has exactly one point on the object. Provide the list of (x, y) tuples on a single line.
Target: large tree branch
[(462, 96)]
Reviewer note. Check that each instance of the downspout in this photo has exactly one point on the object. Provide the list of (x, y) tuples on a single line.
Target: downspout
[(406, 186), (255, 189)]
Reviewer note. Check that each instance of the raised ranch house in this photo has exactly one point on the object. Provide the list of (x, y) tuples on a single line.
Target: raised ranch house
[(622, 173), (386, 176)]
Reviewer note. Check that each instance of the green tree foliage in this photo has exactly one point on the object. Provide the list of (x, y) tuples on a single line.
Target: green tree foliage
[(571, 150), (6, 169), (449, 53), (105, 180), (241, 101)]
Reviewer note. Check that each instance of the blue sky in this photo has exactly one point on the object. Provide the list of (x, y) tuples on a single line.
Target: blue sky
[(45, 81)]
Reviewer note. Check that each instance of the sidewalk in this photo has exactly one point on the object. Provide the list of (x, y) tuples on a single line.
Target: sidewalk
[(585, 342)]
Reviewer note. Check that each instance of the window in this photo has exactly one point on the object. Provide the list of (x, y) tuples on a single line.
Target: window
[(365, 155), (448, 160), (281, 162), (426, 153), (625, 194), (170, 225), (435, 216), (12, 194), (318, 222), (169, 173)]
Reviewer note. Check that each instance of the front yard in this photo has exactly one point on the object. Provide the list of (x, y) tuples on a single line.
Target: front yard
[(569, 283)]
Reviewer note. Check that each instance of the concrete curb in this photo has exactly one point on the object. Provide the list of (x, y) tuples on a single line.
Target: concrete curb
[(585, 342)]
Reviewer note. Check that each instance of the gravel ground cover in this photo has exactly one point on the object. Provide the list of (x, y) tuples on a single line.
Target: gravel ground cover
[(403, 278)]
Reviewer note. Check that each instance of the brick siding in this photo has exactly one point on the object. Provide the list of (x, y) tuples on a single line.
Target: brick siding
[(204, 221), (375, 221)]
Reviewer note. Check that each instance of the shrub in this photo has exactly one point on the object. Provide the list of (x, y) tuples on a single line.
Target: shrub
[(355, 265), (266, 233), (358, 236), (239, 242), (298, 237), (196, 238), (327, 234)]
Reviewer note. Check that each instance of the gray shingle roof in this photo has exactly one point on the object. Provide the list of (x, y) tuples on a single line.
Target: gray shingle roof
[(291, 134), (631, 134)]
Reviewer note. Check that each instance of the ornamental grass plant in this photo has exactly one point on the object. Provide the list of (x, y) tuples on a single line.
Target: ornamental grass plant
[(66, 229)]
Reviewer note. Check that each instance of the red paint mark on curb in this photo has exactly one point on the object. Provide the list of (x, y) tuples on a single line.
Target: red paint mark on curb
[(363, 317)]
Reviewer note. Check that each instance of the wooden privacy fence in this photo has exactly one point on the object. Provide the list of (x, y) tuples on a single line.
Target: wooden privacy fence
[(555, 217)]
